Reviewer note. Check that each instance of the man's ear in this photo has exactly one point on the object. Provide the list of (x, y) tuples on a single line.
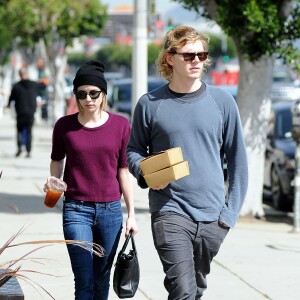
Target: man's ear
[(169, 59)]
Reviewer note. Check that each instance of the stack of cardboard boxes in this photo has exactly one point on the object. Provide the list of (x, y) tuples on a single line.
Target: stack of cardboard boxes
[(164, 167)]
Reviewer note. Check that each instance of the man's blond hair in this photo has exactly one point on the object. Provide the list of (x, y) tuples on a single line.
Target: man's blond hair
[(174, 39)]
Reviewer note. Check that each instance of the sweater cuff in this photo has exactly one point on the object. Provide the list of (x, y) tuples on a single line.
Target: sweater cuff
[(228, 217), (141, 181)]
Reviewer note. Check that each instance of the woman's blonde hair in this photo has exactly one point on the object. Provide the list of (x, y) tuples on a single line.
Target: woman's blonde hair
[(174, 39), (103, 104)]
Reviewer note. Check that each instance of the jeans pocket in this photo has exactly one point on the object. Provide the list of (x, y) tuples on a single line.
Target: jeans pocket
[(70, 205), (114, 206), (218, 231)]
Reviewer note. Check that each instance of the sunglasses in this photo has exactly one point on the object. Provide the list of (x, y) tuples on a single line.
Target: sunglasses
[(82, 95), (190, 56)]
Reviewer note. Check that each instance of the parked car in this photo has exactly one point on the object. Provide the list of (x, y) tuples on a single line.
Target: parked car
[(120, 98), (280, 157), (283, 88)]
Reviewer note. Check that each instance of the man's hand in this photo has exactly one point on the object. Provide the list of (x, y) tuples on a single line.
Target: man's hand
[(223, 225)]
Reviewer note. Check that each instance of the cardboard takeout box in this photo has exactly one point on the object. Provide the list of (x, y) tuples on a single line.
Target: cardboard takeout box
[(161, 160), (167, 175)]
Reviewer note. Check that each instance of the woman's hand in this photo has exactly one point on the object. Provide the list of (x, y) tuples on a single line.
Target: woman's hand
[(131, 225), (46, 186)]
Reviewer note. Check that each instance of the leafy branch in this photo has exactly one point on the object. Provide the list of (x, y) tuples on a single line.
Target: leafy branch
[(12, 268)]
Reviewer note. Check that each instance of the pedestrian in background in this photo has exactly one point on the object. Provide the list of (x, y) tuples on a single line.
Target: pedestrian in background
[(190, 217), (89, 150), (24, 94), (43, 92)]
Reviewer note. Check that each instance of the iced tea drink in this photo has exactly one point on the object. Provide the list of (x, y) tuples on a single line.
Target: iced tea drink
[(57, 187)]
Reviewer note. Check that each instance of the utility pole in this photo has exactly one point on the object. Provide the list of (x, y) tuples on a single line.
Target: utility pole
[(296, 137), (140, 52), (296, 227)]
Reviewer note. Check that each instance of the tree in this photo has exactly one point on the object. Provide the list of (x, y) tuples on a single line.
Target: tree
[(118, 56), (52, 24), (115, 56), (215, 47), (262, 30)]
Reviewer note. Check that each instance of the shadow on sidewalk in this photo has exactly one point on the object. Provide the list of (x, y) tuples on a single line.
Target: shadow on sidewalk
[(33, 204), (24, 204), (272, 215), (279, 218)]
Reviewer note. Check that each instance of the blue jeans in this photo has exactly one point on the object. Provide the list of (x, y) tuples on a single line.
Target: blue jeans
[(186, 249), (100, 223)]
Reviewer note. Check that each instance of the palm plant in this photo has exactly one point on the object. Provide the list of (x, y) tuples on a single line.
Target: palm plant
[(12, 268)]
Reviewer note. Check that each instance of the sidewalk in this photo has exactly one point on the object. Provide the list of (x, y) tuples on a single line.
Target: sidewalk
[(258, 260)]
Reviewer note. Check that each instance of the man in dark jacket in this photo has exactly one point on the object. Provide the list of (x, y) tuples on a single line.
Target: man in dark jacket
[(24, 94)]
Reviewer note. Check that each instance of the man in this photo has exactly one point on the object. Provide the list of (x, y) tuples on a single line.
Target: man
[(24, 94), (190, 217)]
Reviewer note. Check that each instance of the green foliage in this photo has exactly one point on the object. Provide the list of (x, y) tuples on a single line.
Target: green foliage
[(153, 51), (5, 38), (77, 59), (5, 35), (258, 27), (215, 47), (51, 20), (88, 18), (114, 55)]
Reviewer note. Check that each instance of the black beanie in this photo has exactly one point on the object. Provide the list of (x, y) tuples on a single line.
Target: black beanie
[(91, 73)]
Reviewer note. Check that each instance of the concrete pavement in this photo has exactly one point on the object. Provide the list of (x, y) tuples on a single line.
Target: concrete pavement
[(260, 259)]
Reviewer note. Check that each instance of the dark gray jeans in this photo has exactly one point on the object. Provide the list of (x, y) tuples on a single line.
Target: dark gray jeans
[(186, 249)]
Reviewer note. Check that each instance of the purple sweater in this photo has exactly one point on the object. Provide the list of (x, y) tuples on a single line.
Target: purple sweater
[(93, 156)]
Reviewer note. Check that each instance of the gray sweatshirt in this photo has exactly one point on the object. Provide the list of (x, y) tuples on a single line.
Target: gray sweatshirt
[(206, 125)]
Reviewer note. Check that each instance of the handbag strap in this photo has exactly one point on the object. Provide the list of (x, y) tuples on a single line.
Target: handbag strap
[(130, 236)]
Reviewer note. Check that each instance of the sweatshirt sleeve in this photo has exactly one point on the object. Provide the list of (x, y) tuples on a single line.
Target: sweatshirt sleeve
[(235, 153), (137, 148), (11, 96)]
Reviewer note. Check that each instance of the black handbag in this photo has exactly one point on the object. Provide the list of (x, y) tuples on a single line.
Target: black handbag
[(127, 271)]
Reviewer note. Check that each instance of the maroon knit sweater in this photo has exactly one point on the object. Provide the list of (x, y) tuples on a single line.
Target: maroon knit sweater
[(93, 156)]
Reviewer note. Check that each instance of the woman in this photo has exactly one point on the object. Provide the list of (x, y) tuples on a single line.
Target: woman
[(89, 149)]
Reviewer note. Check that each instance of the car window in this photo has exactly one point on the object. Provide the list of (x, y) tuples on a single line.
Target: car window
[(284, 124), (124, 93), (282, 76)]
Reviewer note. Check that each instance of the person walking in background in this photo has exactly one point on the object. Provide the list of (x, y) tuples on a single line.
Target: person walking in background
[(43, 91), (93, 144), (190, 217), (24, 93)]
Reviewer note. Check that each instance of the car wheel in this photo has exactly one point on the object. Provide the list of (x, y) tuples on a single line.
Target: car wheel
[(278, 198)]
